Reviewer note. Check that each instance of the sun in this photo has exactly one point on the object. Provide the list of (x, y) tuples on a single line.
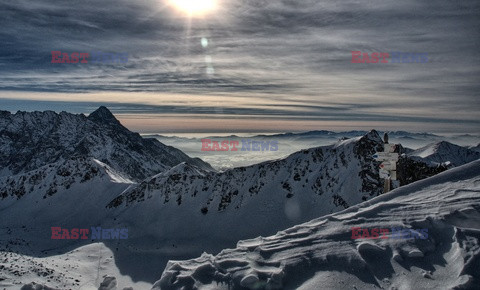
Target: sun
[(195, 7)]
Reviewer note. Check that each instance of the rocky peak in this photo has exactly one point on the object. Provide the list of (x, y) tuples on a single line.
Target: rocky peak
[(103, 115), (36, 139), (444, 145), (373, 136), (368, 144)]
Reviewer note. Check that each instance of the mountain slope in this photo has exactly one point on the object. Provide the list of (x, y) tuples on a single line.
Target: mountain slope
[(166, 212), (185, 203), (322, 253), (66, 193), (309, 172), (217, 209), (31, 140), (444, 152), (59, 176)]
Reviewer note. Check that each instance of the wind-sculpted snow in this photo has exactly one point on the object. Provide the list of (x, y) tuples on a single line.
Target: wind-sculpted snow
[(322, 255), (31, 140)]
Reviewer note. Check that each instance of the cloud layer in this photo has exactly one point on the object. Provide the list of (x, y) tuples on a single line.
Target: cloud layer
[(281, 58)]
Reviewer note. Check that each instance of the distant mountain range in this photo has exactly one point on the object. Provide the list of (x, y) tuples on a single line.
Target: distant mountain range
[(289, 143), (354, 133), (396, 135)]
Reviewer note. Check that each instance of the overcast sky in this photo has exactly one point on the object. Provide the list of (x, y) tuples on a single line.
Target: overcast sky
[(248, 66)]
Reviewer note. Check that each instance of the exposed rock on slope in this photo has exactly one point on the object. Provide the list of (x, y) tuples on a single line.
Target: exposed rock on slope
[(31, 140)]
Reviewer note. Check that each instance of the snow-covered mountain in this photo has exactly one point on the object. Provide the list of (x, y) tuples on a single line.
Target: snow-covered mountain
[(58, 176), (29, 141), (169, 211), (312, 172), (73, 171), (321, 254), (444, 153), (69, 194), (175, 214)]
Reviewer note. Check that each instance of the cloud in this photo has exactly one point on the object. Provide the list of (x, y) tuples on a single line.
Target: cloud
[(268, 51)]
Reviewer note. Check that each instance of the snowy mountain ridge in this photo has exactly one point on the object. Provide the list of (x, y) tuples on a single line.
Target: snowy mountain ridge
[(58, 177), (313, 172), (216, 209), (444, 152), (69, 172), (31, 140), (322, 254)]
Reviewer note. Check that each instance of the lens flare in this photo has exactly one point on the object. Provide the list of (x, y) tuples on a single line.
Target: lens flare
[(195, 7)]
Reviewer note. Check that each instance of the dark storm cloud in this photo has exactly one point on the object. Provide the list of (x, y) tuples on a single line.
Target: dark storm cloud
[(296, 51)]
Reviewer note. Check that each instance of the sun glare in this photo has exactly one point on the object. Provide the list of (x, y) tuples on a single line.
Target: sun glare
[(195, 7)]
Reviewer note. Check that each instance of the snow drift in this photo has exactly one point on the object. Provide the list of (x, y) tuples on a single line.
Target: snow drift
[(321, 254)]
